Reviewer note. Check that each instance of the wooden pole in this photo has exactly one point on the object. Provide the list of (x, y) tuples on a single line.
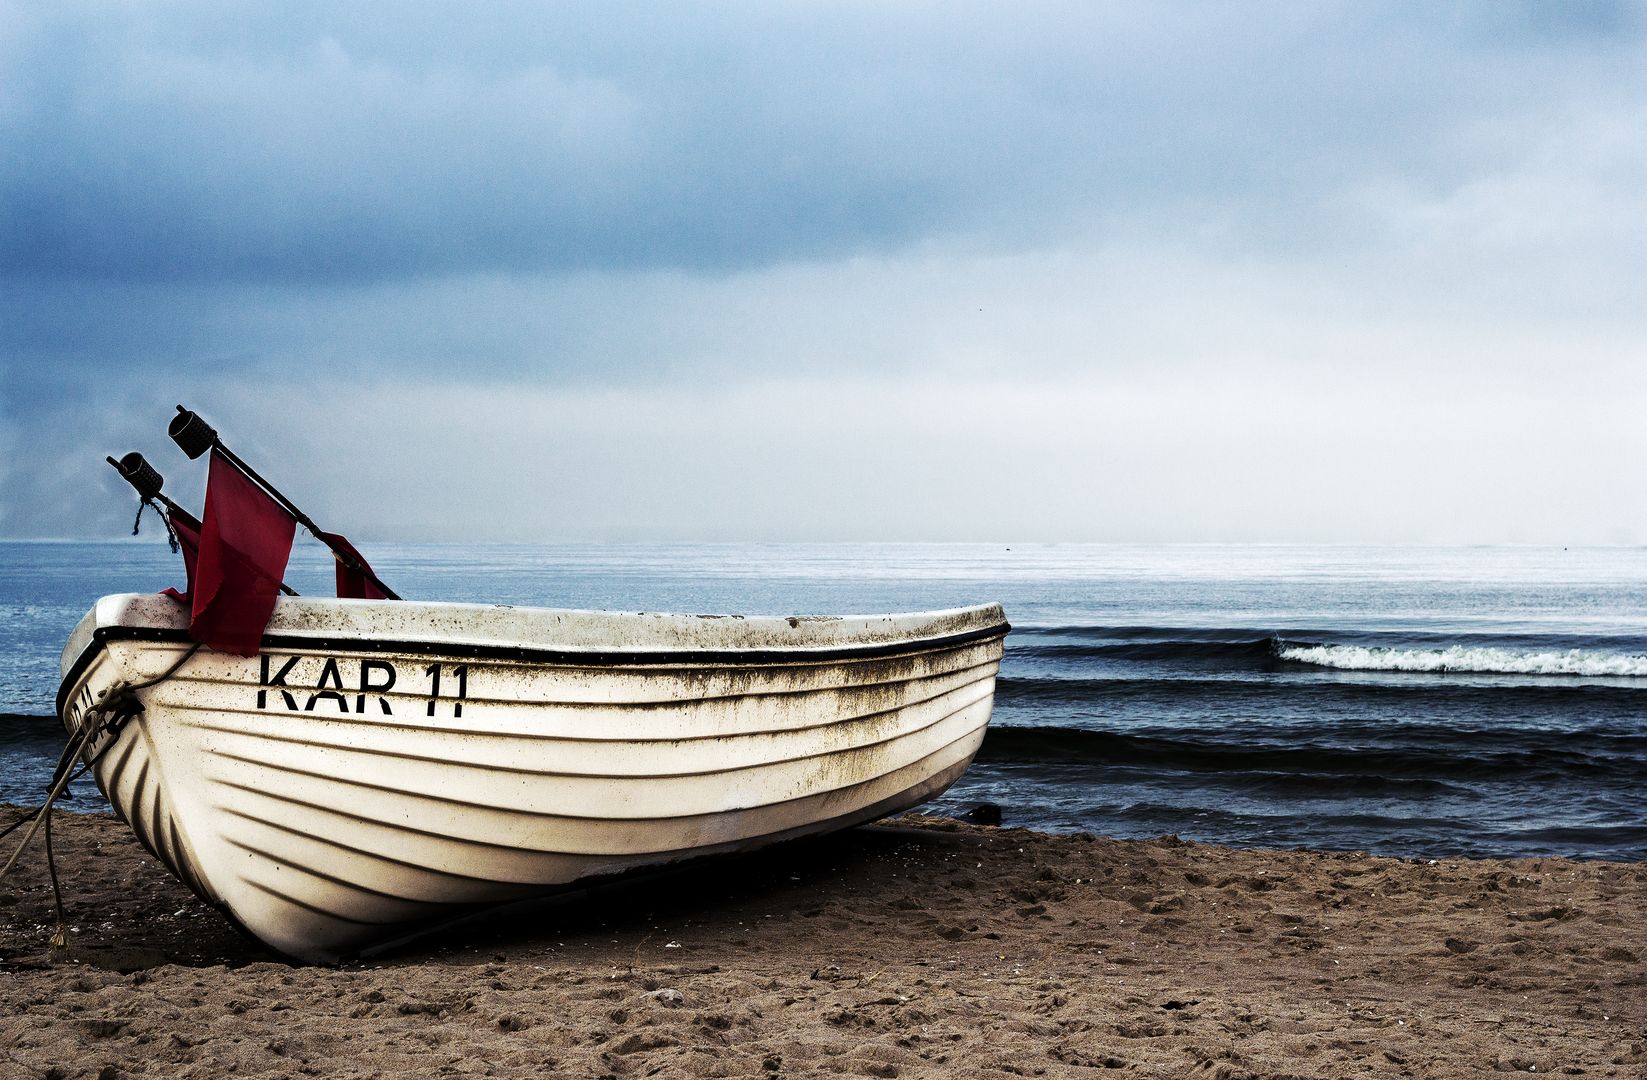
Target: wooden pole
[(178, 512), (194, 435), (304, 520)]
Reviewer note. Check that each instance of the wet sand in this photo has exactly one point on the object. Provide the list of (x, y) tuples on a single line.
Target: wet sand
[(918, 948)]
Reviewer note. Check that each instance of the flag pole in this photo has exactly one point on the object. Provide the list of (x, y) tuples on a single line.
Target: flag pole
[(194, 436), (147, 480)]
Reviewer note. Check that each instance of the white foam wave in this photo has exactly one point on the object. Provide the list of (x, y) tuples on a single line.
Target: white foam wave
[(1462, 658)]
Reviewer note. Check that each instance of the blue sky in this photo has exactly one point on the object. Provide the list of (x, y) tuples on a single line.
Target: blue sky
[(1338, 272)]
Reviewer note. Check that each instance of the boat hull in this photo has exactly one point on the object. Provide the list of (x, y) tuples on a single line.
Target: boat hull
[(381, 768)]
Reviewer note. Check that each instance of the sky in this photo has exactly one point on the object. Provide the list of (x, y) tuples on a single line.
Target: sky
[(1134, 272)]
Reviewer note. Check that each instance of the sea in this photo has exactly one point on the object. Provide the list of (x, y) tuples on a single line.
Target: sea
[(1417, 702)]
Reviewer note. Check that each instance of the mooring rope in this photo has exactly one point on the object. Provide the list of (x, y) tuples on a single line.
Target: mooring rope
[(70, 752), (60, 936), (106, 717)]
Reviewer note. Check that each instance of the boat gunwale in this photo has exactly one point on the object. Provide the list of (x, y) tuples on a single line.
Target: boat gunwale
[(655, 659)]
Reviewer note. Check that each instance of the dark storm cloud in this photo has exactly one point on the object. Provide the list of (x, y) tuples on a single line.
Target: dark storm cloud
[(629, 249), (328, 143), (325, 146)]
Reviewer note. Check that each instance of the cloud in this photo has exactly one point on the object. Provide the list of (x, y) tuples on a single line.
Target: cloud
[(1122, 396), (1197, 272), (316, 144), (1107, 456)]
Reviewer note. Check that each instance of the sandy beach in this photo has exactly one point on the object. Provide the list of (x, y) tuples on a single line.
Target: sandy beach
[(920, 947)]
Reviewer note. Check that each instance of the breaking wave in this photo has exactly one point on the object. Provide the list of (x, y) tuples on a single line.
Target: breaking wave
[(1466, 659)]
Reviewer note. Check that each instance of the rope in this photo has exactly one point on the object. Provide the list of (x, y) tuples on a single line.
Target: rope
[(80, 770), (59, 938), (111, 715), (165, 520), (76, 745)]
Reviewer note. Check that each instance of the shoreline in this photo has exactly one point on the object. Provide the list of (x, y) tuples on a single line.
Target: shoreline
[(1040, 773), (917, 947)]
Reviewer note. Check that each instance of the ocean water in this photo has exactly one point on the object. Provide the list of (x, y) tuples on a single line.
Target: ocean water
[(1419, 702)]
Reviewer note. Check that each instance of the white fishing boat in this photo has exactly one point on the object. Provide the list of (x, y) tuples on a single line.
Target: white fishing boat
[(381, 767)]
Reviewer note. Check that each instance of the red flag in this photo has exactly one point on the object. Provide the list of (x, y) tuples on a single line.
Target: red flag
[(188, 542), (245, 540), (352, 584)]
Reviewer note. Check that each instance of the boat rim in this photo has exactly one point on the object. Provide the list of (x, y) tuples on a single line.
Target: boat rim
[(100, 636)]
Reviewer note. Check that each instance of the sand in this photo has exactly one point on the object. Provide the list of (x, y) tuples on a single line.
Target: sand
[(918, 948)]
